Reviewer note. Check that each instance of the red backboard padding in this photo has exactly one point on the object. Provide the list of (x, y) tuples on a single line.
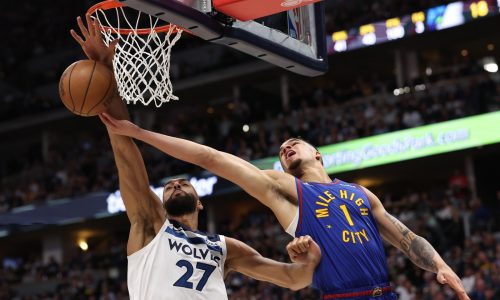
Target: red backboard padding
[(245, 10)]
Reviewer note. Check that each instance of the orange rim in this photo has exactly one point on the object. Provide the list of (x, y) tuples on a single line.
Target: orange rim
[(110, 4)]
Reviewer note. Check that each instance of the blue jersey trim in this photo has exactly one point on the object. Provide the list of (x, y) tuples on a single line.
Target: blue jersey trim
[(210, 237), (357, 289), (367, 198), (299, 195), (333, 182), (194, 240)]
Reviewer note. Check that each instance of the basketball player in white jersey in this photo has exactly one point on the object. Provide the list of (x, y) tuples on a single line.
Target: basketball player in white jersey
[(167, 257)]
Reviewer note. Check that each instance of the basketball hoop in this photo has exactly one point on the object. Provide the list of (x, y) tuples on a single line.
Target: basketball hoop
[(142, 59)]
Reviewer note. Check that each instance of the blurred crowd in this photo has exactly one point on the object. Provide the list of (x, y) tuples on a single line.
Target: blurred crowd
[(40, 47), (99, 274), (345, 15), (461, 228), (36, 32), (321, 115)]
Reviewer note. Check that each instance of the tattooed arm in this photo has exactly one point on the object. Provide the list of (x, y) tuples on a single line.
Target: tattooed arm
[(418, 249)]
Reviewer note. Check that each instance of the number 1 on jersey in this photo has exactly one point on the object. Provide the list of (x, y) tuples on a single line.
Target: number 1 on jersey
[(346, 214)]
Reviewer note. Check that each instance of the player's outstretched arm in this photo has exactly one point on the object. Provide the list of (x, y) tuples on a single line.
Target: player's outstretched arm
[(142, 206), (304, 253), (416, 248), (274, 189)]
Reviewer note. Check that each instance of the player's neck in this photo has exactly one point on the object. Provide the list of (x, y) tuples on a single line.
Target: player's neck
[(314, 174), (191, 220)]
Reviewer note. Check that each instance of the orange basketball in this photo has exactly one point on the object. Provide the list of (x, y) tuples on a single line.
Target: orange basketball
[(86, 87)]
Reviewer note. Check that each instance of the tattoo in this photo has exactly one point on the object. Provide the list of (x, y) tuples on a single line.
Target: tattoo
[(423, 254), (418, 250)]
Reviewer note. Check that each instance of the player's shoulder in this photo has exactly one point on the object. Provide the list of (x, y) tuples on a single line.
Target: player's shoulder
[(275, 174), (238, 249), (344, 184)]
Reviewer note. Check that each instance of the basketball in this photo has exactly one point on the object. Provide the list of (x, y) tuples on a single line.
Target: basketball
[(86, 87)]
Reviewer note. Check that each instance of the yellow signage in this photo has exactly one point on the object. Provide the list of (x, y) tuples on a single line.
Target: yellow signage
[(418, 17), (394, 22), (339, 36), (365, 29)]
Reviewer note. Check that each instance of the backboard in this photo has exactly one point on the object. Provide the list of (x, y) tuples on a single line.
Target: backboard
[(293, 39)]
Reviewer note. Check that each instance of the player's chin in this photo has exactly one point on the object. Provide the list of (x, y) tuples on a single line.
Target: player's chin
[(294, 164)]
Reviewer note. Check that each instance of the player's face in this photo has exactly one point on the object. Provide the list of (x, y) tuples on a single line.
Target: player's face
[(180, 198), (294, 152)]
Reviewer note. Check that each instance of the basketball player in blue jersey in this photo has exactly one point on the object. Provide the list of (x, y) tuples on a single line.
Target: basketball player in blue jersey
[(346, 220), (168, 258)]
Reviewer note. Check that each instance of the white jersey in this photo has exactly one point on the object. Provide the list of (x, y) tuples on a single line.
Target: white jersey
[(178, 264)]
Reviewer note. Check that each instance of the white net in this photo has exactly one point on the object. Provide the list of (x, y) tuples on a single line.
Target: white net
[(142, 61)]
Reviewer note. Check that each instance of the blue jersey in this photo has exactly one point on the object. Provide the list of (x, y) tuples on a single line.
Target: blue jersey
[(338, 217)]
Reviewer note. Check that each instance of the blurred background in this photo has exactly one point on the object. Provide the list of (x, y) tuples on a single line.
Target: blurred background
[(428, 76)]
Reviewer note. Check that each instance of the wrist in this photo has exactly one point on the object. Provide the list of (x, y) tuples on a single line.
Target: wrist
[(137, 133), (108, 64), (441, 265)]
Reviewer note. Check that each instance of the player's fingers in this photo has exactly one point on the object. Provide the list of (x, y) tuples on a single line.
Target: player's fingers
[(90, 25), (459, 289), (83, 30), (107, 116), (107, 120), (113, 44), (103, 119), (77, 38), (463, 296), (457, 286), (291, 249), (307, 240), (303, 244), (97, 28), (294, 245)]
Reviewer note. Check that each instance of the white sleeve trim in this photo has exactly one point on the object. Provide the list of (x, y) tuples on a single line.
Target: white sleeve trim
[(293, 225)]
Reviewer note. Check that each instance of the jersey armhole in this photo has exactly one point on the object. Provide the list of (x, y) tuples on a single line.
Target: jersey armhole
[(157, 236), (224, 253), (298, 185), (366, 195), (292, 228)]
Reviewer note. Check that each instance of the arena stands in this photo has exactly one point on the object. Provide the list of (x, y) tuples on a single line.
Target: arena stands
[(343, 15), (322, 116), (441, 214)]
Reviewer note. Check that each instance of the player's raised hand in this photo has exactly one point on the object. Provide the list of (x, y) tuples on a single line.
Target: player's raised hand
[(119, 127), (447, 276), (304, 250), (92, 42)]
